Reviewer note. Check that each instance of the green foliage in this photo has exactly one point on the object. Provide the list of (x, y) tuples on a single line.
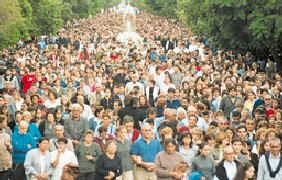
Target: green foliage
[(11, 22)]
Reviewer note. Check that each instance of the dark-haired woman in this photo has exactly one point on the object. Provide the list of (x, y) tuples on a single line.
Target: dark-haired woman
[(246, 173), (167, 161), (203, 162), (185, 149)]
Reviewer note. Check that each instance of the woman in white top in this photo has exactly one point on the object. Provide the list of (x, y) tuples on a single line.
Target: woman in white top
[(52, 101), (60, 158)]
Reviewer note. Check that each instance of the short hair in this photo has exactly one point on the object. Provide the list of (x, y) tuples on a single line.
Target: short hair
[(43, 139), (169, 141), (63, 140), (127, 119)]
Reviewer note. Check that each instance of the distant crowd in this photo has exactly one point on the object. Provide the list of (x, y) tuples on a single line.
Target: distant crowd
[(82, 105)]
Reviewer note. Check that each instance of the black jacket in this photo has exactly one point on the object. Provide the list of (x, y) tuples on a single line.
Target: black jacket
[(220, 171)]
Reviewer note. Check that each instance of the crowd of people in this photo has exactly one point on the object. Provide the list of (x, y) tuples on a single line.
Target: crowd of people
[(82, 105)]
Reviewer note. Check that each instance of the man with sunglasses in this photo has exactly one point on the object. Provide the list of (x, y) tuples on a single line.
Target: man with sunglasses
[(270, 164)]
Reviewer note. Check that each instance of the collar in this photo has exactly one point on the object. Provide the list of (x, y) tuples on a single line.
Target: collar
[(274, 157)]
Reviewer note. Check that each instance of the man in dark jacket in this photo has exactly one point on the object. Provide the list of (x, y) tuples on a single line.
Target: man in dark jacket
[(228, 167)]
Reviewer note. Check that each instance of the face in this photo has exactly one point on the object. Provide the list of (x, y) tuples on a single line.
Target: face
[(122, 133), (50, 117), (229, 155), (250, 172), (23, 128), (44, 145), (250, 125), (237, 146), (242, 133), (88, 138), (206, 150), (61, 146), (275, 147), (170, 148), (112, 148), (75, 113), (129, 126), (59, 132), (186, 140), (147, 132)]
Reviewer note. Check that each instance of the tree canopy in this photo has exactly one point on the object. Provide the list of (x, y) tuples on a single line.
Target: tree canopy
[(242, 25)]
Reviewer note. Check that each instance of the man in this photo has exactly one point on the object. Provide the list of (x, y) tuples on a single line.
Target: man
[(238, 147), (144, 152), (59, 133), (134, 86), (241, 132), (60, 158), (22, 142), (270, 164), (228, 167), (5, 152), (38, 161), (76, 126)]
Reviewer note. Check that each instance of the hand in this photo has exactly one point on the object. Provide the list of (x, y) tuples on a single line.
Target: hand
[(75, 142), (111, 174), (89, 157)]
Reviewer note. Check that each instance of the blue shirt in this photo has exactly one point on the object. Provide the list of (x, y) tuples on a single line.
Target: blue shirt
[(147, 151), (32, 130)]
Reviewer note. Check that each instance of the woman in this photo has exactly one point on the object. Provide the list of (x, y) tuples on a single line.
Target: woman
[(167, 162), (52, 101), (47, 127), (87, 153), (108, 165), (246, 173), (185, 148), (123, 148), (203, 162)]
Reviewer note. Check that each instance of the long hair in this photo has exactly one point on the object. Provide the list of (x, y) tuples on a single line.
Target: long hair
[(241, 172)]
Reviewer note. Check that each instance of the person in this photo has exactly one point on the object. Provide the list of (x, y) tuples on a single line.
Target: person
[(38, 161), (5, 153), (108, 165), (246, 173), (87, 153), (228, 167), (270, 164), (61, 157), (186, 149), (143, 152), (59, 133), (75, 127), (47, 126), (203, 162), (167, 161), (123, 151)]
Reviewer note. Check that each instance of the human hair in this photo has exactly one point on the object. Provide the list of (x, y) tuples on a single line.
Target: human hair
[(108, 143), (169, 141), (241, 172), (43, 139), (127, 119), (185, 135), (201, 147)]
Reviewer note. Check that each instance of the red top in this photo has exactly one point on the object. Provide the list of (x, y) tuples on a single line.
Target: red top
[(28, 80)]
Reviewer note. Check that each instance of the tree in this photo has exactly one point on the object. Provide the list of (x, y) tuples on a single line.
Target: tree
[(47, 16), (11, 23)]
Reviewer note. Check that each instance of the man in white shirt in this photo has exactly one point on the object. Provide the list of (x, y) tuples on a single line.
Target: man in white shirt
[(228, 167), (60, 158)]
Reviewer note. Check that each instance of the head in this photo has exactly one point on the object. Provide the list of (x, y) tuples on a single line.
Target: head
[(186, 139), (121, 132), (76, 110), (228, 153), (59, 131), (170, 146), (62, 142), (205, 149), (128, 122), (23, 127), (88, 136), (147, 132), (241, 132), (110, 147), (43, 144), (275, 146), (237, 146)]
